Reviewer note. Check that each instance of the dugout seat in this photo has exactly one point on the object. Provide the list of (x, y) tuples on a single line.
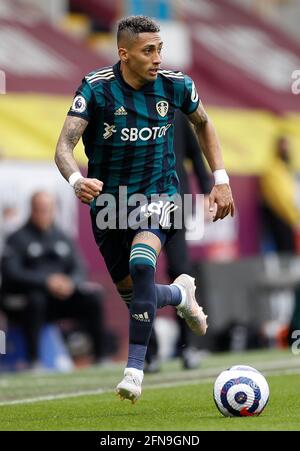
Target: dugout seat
[(53, 353)]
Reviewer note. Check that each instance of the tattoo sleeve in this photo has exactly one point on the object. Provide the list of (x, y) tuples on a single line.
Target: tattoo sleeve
[(207, 137), (72, 131), (199, 118)]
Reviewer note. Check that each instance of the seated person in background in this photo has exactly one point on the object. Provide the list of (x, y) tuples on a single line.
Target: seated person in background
[(41, 263)]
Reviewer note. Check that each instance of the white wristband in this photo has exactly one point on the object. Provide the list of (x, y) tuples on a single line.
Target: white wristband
[(74, 177), (221, 177)]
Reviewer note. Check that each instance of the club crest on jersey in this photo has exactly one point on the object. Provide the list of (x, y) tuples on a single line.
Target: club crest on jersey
[(79, 104), (162, 108)]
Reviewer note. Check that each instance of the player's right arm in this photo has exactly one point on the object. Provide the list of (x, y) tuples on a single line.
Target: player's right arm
[(86, 189)]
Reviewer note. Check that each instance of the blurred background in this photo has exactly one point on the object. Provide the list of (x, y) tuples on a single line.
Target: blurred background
[(244, 56)]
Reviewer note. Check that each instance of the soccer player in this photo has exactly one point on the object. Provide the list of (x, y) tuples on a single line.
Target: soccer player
[(125, 115)]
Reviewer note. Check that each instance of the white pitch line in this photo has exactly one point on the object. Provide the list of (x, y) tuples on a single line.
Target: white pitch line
[(99, 391), (96, 392), (152, 386)]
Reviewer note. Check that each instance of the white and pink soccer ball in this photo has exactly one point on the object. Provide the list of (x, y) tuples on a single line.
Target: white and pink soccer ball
[(241, 391)]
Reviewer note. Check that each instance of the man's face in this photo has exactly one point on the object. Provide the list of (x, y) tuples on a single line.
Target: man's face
[(144, 56), (42, 211)]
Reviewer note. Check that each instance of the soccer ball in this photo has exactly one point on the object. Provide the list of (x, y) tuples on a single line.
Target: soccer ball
[(241, 391)]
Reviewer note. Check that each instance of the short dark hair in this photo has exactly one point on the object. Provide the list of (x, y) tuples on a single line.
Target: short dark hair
[(133, 25)]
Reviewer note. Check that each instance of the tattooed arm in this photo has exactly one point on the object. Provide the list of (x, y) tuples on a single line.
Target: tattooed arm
[(85, 189), (209, 144), (207, 138)]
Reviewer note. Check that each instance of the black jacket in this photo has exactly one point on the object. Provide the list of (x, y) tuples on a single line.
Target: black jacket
[(31, 256)]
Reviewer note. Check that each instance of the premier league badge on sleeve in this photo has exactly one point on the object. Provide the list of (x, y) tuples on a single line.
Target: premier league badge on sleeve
[(79, 104)]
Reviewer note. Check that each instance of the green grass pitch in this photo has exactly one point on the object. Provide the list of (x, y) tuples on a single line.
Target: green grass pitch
[(173, 400)]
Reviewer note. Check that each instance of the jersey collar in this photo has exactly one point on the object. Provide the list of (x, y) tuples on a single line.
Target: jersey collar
[(119, 77)]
